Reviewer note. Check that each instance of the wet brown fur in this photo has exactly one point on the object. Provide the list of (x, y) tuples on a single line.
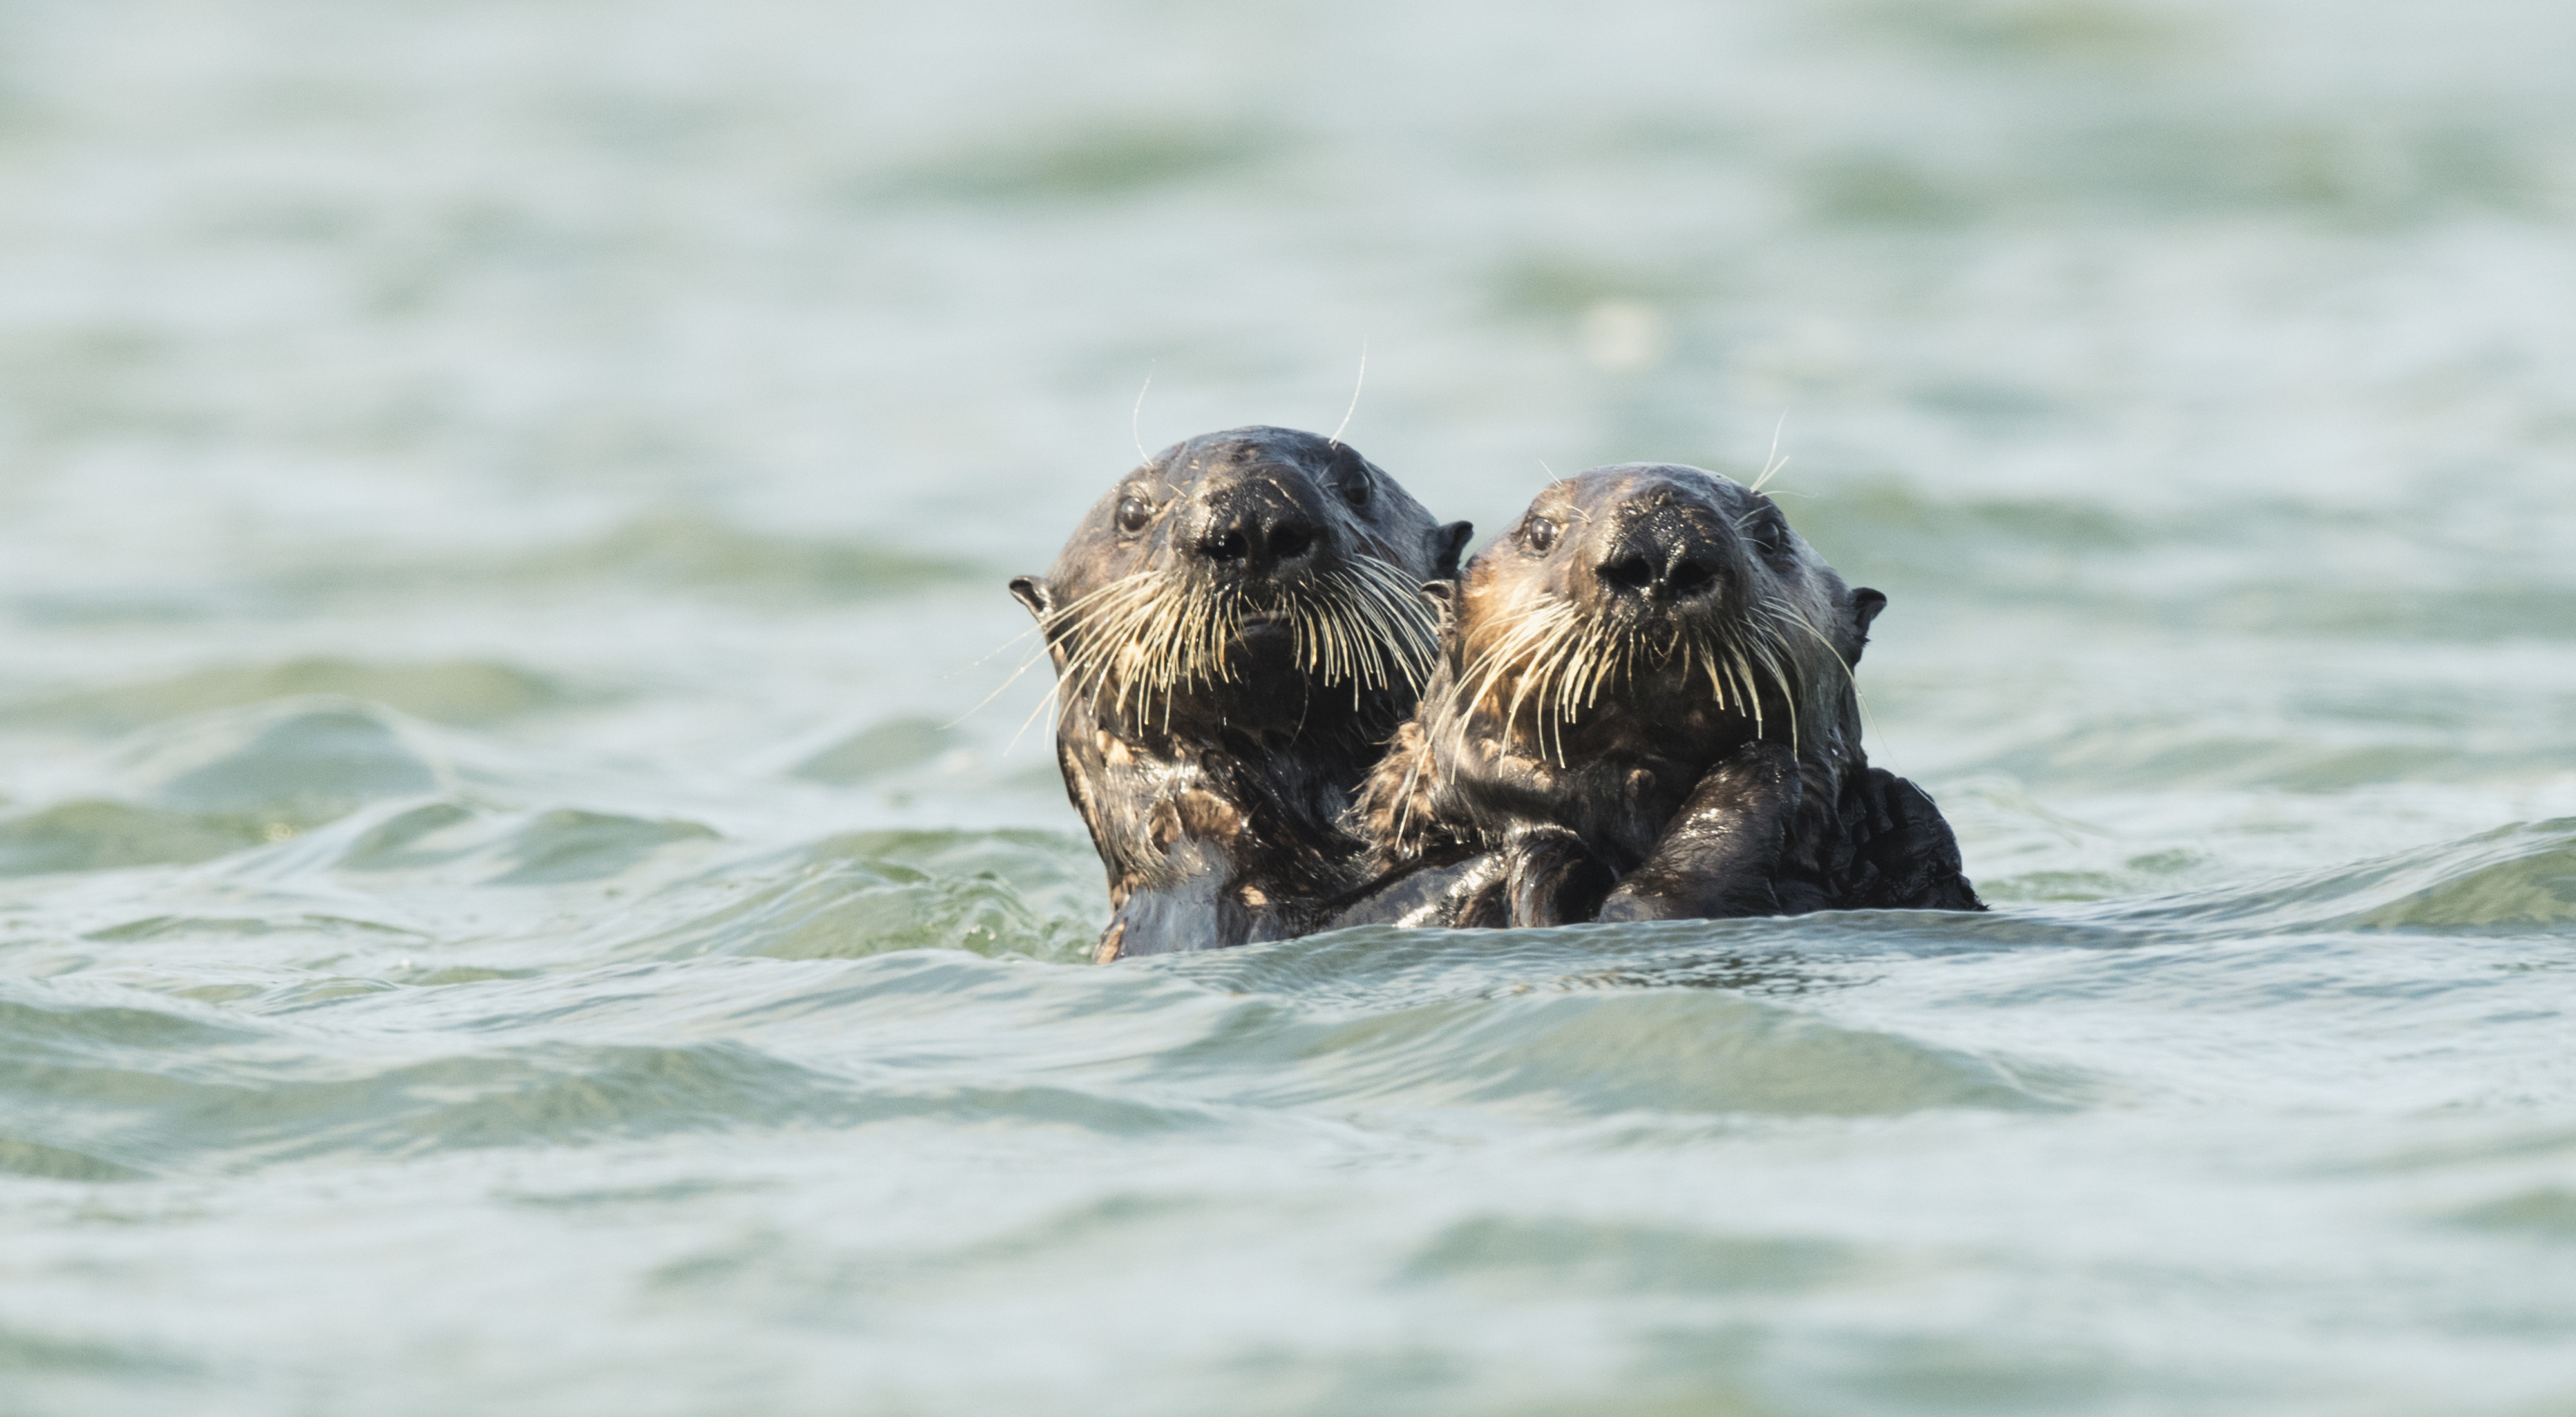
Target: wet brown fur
[(1649, 667), (1216, 710)]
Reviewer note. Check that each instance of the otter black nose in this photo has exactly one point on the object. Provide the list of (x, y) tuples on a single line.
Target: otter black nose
[(1657, 567), (1261, 538)]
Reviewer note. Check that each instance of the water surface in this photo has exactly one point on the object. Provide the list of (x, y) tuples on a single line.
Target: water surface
[(513, 897)]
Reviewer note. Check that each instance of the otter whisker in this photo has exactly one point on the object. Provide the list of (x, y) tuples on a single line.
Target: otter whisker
[(1370, 603), (1482, 674), (1546, 659), (1086, 659), (1404, 631), (1122, 652), (1027, 663), (1529, 651), (1773, 462), (1764, 652), (1413, 626), (1371, 629), (1135, 646), (1571, 649), (1744, 680), (1547, 666), (1340, 661), (1799, 619), (1593, 656)]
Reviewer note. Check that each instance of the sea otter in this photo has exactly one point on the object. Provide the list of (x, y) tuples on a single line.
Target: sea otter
[(1644, 709), (1237, 628)]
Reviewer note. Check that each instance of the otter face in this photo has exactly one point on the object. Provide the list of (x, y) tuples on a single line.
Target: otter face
[(1229, 576), (1645, 709), (1680, 598)]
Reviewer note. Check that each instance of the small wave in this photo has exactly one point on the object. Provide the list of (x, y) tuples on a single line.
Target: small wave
[(25, 1354), (1674, 1016), (569, 1094), (226, 781), (97, 1090), (691, 549), (2373, 177), (1372, 968), (67, 1091), (397, 842), (1103, 159), (1592, 1054), (1694, 1052), (2474, 1145), (1941, 1373), (879, 749), (675, 550), (1882, 520), (848, 910), (2169, 752), (104, 836), (666, 1193), (88, 1031), (144, 1111), (1554, 1255), (2144, 566), (2547, 1212), (58, 1163), (561, 846), (292, 763), (2519, 879), (2513, 880), (451, 691), (567, 845), (879, 892), (170, 927)]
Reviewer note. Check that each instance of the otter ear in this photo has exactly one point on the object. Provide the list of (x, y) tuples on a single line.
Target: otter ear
[(1865, 605), (1446, 543), (1039, 597)]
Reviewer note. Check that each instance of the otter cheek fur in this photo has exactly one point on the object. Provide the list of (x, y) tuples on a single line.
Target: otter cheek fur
[(1644, 708), (1236, 628)]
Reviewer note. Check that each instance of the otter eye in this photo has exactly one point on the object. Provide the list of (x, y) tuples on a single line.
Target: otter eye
[(1356, 492), (1538, 533), (1133, 514), (1768, 532)]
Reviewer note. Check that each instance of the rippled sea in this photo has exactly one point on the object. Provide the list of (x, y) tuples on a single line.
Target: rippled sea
[(524, 889)]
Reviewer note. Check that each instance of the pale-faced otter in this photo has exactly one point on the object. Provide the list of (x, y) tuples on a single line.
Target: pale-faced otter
[(1236, 628), (1645, 709)]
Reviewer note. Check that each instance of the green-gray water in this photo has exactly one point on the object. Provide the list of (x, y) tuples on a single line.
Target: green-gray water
[(509, 904)]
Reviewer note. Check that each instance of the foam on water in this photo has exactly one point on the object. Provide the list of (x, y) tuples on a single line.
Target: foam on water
[(512, 897)]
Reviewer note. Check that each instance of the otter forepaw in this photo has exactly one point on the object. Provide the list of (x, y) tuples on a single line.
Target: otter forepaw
[(1719, 855), (1552, 878)]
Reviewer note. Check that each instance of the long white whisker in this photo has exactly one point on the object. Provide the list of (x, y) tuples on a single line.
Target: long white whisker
[(1136, 417), (1773, 462), (1336, 439)]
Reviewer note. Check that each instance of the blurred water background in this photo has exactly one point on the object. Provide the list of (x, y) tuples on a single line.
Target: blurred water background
[(511, 904)]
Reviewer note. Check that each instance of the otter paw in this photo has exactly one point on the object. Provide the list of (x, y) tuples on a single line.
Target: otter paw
[(1552, 878)]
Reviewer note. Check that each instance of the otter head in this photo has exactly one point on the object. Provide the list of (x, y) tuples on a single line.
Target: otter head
[(1638, 624), (1258, 580), (1654, 606), (1644, 710)]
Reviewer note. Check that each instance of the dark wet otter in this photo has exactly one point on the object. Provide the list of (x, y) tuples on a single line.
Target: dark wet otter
[(1237, 628), (1645, 710)]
